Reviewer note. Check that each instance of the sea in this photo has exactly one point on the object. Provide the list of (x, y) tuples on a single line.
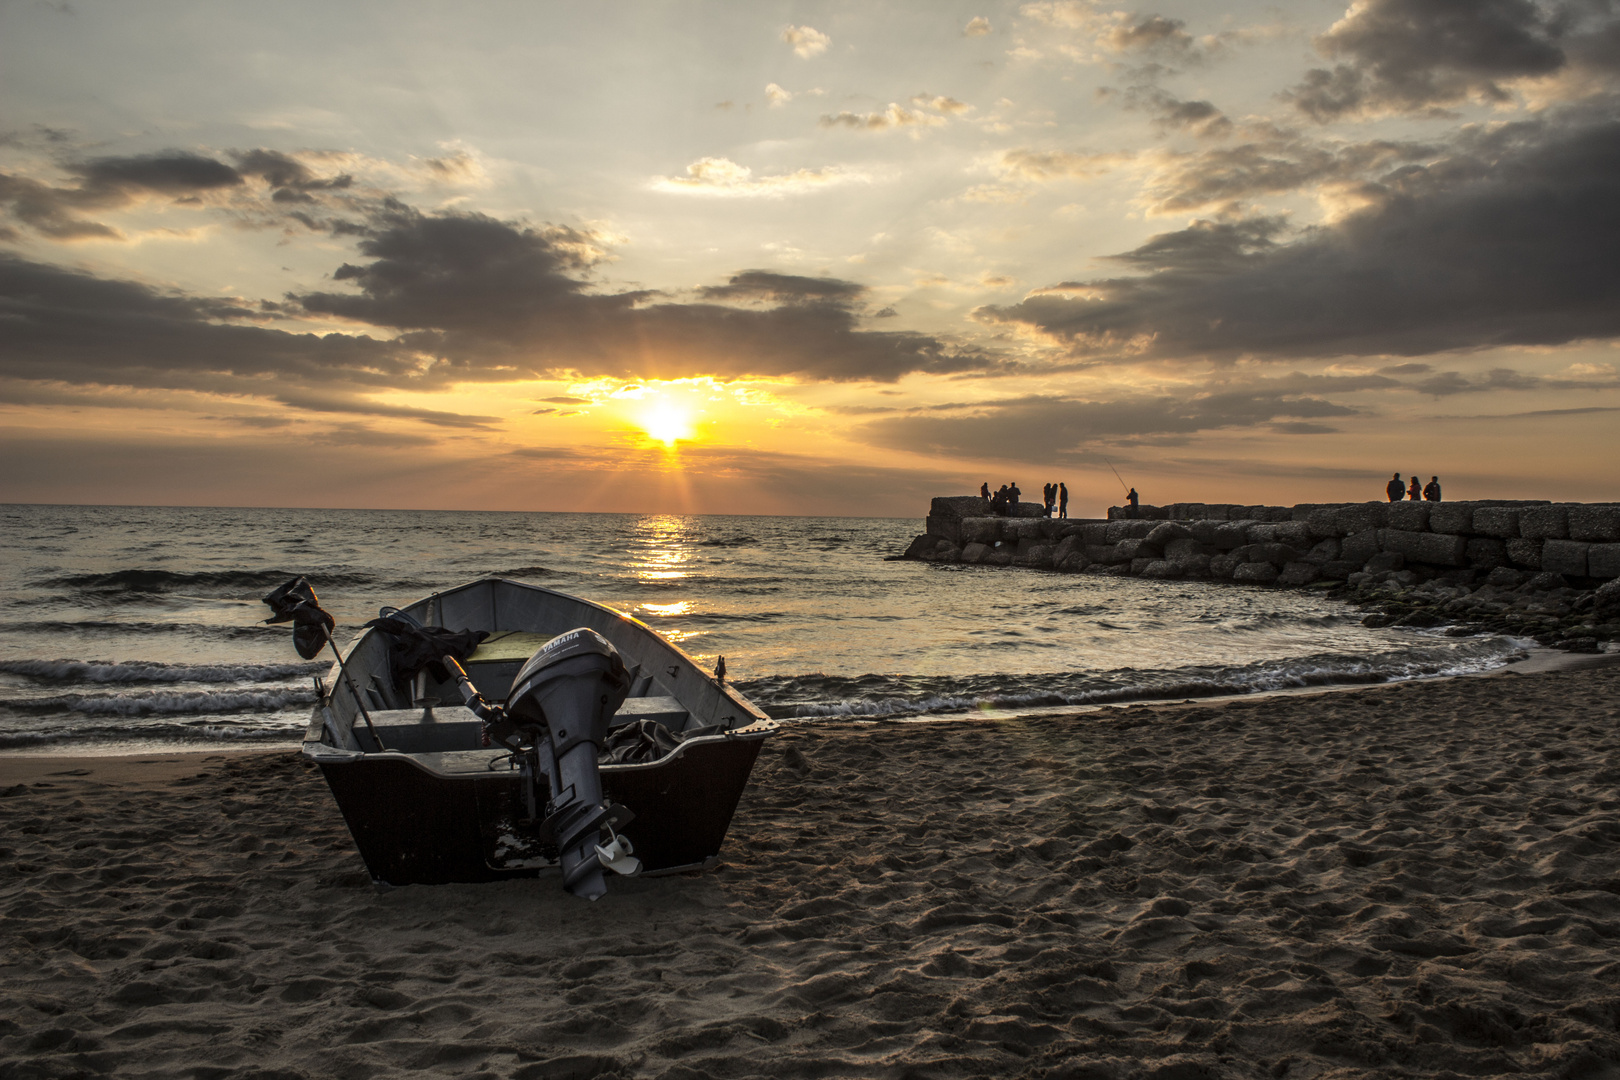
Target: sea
[(127, 629)]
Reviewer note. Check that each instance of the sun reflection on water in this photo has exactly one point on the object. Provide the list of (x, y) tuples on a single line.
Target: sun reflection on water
[(666, 610)]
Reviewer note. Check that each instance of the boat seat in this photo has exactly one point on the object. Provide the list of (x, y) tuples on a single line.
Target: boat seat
[(665, 710)]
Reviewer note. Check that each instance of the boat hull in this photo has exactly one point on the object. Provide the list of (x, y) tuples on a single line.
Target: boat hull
[(414, 826)]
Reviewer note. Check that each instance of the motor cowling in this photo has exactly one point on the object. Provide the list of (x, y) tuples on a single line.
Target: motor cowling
[(570, 689)]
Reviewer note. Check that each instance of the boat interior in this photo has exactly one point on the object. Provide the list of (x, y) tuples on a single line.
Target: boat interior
[(426, 717)]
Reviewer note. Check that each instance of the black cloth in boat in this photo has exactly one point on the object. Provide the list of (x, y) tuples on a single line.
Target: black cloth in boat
[(412, 647), (646, 740)]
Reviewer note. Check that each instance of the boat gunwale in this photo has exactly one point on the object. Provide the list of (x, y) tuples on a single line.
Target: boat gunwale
[(761, 726)]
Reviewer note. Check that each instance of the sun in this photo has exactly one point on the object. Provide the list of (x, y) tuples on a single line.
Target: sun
[(666, 422)]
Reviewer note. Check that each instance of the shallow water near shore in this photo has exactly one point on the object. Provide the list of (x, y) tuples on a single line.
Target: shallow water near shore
[(131, 627)]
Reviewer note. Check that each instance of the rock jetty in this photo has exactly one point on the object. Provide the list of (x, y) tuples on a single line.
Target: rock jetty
[(1544, 569)]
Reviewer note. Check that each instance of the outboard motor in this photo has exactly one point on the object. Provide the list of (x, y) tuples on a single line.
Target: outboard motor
[(557, 716)]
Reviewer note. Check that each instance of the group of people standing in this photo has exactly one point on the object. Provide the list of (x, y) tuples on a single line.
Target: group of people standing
[(1005, 498), (1396, 489)]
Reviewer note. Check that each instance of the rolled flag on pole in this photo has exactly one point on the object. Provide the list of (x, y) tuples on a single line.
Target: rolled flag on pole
[(295, 602)]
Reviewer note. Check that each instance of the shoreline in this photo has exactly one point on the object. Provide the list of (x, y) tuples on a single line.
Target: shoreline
[(1540, 660)]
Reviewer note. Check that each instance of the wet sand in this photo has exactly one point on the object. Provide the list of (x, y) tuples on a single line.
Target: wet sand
[(1413, 880)]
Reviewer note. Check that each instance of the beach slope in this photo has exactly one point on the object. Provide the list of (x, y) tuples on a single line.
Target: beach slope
[(1414, 880)]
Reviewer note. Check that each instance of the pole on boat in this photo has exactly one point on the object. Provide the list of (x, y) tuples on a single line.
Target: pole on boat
[(295, 602), (354, 692)]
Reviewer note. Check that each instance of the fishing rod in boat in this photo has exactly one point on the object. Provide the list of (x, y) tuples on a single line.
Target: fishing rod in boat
[(295, 602)]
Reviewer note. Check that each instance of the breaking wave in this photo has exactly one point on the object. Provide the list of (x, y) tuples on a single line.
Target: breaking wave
[(812, 696), (167, 703), (149, 671)]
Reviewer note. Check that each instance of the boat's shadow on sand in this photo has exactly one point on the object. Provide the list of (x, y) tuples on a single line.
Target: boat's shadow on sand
[(1397, 881)]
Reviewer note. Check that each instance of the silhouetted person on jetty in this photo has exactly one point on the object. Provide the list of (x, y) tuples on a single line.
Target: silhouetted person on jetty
[(1431, 490), (1415, 492), (998, 503), (1132, 498), (1063, 499), (1395, 489), (1048, 497), (984, 491), (1013, 494)]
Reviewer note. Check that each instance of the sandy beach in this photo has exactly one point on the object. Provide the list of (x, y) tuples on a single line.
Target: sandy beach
[(1411, 880)]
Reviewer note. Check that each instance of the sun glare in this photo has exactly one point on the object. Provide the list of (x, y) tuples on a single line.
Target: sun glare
[(667, 423)]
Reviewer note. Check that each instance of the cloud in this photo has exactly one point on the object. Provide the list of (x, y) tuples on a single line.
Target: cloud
[(895, 116), (1278, 162), (941, 103), (1505, 241), (776, 96), (1406, 56), (1052, 429), (1200, 118), (806, 41), (771, 287), (724, 177), (496, 300), (1041, 165), (110, 183), (977, 26), (183, 177)]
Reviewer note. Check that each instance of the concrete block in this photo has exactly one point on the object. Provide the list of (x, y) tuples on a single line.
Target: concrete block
[(1222, 566), (1033, 554), (1193, 565), (980, 530), (957, 507), (1262, 532), (1411, 516), (1524, 553), (1255, 573), (1135, 549), (974, 552), (1339, 569), (1359, 547), (1095, 532), (1298, 573), (1486, 552), (1103, 553), (1162, 568), (1564, 557), (1272, 553), (948, 527), (1293, 533), (1138, 566), (1129, 530), (1500, 521), (1180, 549), (1023, 528), (1323, 551), (1347, 519), (1447, 517), (1436, 549), (1603, 561), (1276, 513), (1544, 522), (1600, 523), (1167, 531)]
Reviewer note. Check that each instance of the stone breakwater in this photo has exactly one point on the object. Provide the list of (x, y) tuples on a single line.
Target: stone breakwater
[(1543, 569)]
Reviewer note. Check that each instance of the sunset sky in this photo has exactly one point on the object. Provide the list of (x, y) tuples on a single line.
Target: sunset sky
[(806, 258)]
